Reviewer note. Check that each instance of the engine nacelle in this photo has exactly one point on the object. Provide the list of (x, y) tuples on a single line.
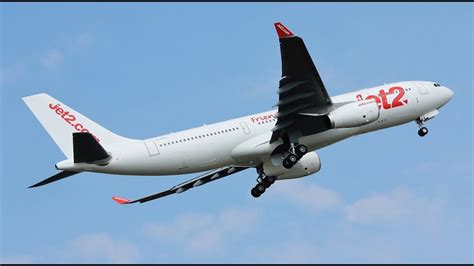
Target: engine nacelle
[(354, 114), (309, 164)]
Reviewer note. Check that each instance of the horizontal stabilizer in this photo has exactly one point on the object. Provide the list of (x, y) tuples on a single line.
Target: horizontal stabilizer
[(54, 178), (87, 149)]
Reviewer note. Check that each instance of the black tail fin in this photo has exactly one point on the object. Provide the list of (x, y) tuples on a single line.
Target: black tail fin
[(87, 149)]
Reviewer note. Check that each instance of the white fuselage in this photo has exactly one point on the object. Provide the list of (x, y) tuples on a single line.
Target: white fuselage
[(244, 141)]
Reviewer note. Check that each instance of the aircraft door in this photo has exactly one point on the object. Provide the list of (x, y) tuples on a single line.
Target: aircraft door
[(422, 89), (152, 148), (245, 127)]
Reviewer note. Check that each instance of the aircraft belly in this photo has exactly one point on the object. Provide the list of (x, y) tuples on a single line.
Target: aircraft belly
[(328, 137), (207, 156), (254, 148)]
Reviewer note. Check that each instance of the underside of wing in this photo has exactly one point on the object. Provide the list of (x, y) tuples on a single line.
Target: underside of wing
[(301, 89), (200, 180)]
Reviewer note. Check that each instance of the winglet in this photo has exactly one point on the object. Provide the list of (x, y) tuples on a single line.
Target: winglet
[(283, 32), (120, 200)]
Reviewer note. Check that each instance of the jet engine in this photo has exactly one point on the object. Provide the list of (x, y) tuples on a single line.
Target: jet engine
[(307, 165), (354, 114)]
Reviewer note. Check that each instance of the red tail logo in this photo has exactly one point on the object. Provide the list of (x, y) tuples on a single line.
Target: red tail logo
[(70, 119)]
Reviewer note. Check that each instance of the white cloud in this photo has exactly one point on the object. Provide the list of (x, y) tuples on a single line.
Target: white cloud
[(311, 197), (89, 248), (102, 247), (399, 205), (52, 60), (17, 260), (204, 233), (293, 252)]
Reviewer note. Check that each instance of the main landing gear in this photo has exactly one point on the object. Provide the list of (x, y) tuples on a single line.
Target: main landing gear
[(264, 182), (423, 130), (295, 154)]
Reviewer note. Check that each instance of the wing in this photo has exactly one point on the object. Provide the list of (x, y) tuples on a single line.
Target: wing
[(301, 89), (200, 180)]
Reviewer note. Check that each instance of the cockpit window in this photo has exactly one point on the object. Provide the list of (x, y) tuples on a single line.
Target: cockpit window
[(437, 85)]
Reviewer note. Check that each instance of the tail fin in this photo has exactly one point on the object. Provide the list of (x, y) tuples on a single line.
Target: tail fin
[(60, 121)]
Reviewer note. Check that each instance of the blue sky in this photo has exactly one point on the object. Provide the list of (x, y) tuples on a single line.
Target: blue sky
[(146, 69)]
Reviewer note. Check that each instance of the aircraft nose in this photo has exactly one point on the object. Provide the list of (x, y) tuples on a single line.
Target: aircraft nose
[(448, 94)]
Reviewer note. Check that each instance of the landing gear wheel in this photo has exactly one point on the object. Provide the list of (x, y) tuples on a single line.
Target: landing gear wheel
[(255, 193), (263, 181), (422, 132), (292, 158), (266, 183), (260, 188), (301, 150), (287, 164), (271, 179)]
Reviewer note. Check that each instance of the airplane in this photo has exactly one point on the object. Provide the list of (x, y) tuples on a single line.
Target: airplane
[(280, 144)]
